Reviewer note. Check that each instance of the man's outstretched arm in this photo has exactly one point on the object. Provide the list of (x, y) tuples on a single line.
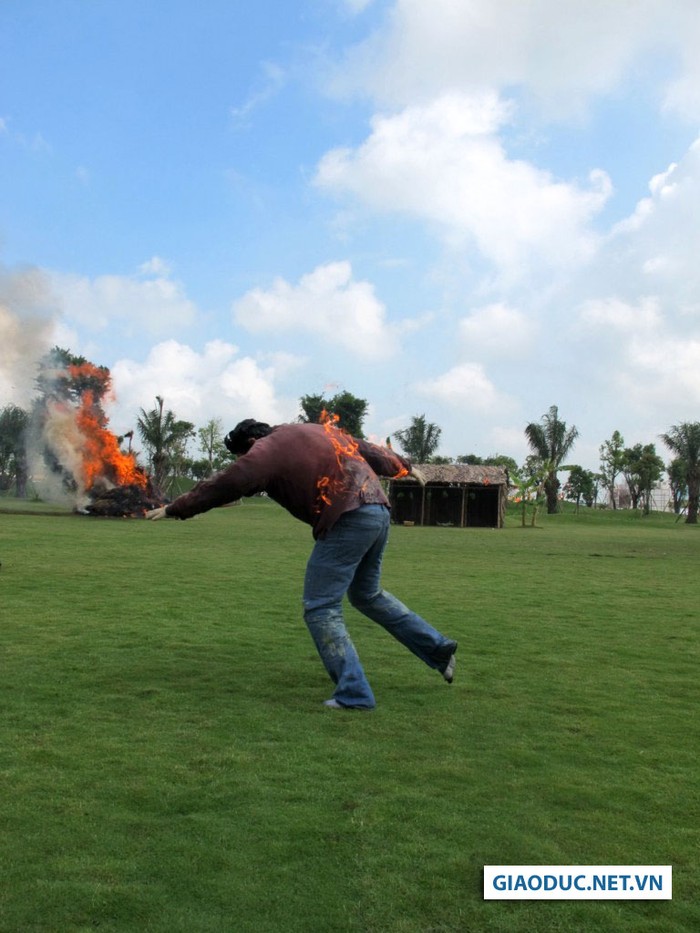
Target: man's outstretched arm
[(386, 462)]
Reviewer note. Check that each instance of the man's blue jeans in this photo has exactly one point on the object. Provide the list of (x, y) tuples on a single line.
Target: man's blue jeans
[(349, 560)]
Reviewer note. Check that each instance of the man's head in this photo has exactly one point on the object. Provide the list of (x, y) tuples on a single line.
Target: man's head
[(239, 440)]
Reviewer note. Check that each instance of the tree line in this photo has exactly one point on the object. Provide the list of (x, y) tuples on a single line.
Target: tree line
[(167, 441)]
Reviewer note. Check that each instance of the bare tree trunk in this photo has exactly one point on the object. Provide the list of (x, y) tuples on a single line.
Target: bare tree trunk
[(551, 488), (693, 497)]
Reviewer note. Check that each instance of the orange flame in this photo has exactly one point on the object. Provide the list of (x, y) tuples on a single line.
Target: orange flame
[(344, 445), (345, 448), (101, 458)]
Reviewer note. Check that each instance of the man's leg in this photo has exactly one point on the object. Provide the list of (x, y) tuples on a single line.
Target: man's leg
[(367, 596), (329, 572)]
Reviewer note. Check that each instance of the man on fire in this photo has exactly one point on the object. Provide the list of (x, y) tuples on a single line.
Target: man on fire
[(329, 480)]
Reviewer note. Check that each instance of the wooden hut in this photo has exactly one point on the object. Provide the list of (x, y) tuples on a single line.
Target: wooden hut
[(455, 495)]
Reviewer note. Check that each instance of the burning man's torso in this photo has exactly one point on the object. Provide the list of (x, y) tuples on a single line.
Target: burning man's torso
[(315, 471)]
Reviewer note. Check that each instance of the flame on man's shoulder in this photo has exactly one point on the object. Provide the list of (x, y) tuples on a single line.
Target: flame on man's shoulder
[(345, 448), (344, 444)]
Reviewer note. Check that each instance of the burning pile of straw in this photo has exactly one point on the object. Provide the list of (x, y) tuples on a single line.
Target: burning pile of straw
[(80, 451)]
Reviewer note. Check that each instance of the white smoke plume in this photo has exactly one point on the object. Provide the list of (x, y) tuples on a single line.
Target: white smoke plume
[(61, 435), (26, 331), (28, 318)]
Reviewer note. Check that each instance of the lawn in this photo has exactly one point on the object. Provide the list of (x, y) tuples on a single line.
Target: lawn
[(167, 764)]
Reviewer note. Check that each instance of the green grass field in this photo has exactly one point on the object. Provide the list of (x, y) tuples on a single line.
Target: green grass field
[(167, 765)]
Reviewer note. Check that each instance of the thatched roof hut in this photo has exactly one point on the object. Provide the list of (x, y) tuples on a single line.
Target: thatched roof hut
[(456, 494)]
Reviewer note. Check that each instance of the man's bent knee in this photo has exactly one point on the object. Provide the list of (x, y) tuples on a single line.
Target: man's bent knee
[(363, 602)]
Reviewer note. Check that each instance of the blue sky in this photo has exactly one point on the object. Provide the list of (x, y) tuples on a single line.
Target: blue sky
[(468, 209)]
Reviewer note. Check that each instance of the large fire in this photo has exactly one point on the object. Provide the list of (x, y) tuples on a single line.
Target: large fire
[(102, 460), (105, 479)]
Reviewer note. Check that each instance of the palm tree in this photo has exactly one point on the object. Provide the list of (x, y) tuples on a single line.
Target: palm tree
[(676, 472), (551, 441), (163, 436), (420, 440), (684, 441)]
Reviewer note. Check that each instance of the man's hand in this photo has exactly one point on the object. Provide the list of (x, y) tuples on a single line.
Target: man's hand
[(155, 514), (416, 474)]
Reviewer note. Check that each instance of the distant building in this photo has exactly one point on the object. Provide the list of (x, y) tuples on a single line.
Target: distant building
[(661, 498)]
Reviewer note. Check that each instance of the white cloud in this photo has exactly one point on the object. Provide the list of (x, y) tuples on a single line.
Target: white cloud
[(466, 386), (682, 26), (357, 6), (150, 303), (497, 330), (442, 162), (648, 359), (562, 53), (657, 373), (156, 266), (34, 143), (648, 263), (216, 383), (274, 79), (635, 324), (510, 441), (327, 304), (662, 237), (626, 319)]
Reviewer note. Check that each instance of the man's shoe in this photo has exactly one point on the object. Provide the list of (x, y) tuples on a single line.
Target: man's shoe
[(447, 660), (449, 671), (334, 704)]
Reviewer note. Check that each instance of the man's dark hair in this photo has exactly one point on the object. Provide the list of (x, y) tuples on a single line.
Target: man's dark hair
[(238, 441)]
